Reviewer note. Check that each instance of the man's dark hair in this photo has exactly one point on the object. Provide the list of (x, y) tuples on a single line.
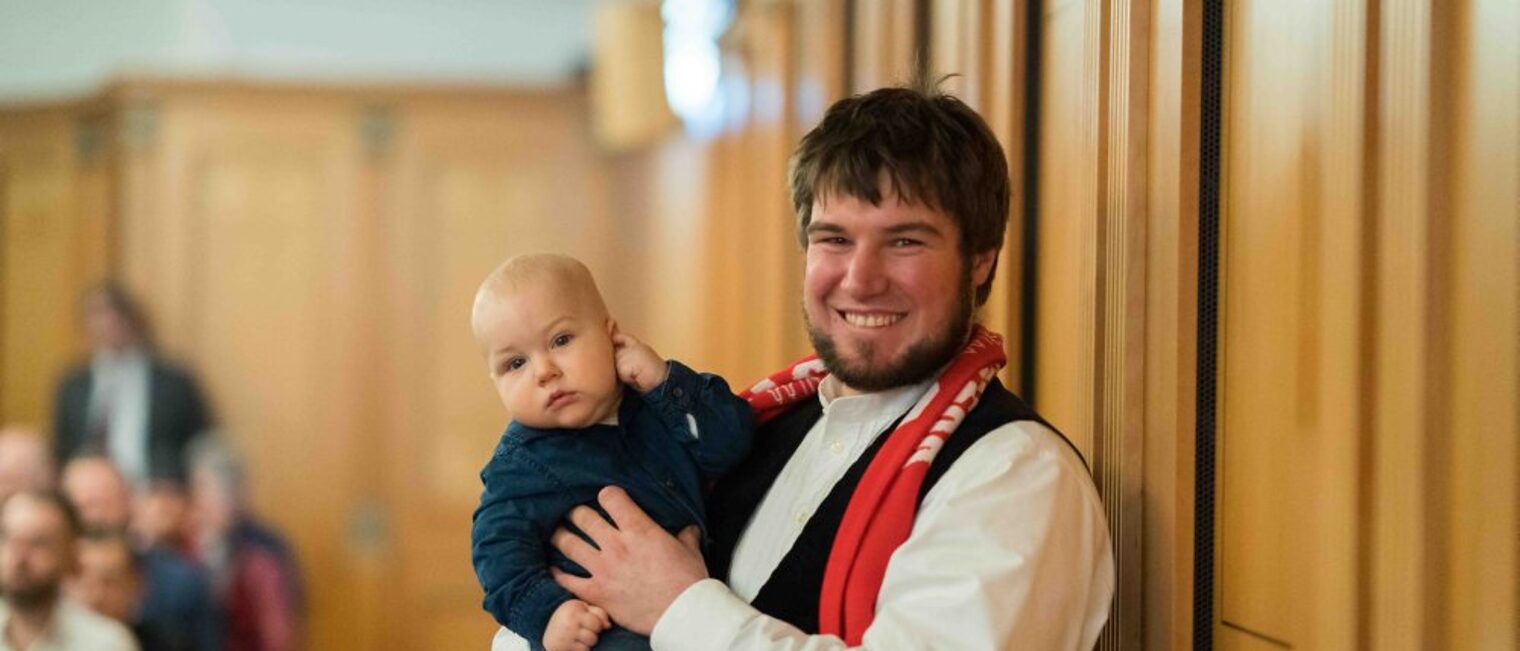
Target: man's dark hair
[(127, 307), (932, 148), (56, 500)]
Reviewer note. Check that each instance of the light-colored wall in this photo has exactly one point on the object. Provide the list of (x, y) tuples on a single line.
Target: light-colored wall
[(70, 47)]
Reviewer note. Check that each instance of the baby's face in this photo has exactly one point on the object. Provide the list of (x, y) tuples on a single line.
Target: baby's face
[(550, 358)]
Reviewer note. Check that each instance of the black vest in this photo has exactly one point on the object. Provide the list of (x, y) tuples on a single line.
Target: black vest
[(792, 591)]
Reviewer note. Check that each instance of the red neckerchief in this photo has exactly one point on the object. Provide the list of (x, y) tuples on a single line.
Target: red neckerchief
[(880, 514)]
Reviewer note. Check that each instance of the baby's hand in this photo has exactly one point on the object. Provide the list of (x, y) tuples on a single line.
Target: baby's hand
[(575, 626), (638, 365)]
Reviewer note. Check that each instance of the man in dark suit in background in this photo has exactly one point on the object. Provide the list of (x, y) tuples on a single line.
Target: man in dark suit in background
[(126, 402)]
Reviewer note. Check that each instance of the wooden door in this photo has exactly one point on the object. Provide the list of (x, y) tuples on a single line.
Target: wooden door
[(240, 228), (467, 185), (55, 220)]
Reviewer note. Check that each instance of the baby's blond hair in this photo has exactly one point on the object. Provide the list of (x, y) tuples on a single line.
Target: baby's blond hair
[(566, 276)]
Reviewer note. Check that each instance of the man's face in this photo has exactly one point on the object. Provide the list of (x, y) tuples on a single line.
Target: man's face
[(98, 492), (36, 551), (887, 290), (107, 582), (105, 328), (550, 359), (159, 515)]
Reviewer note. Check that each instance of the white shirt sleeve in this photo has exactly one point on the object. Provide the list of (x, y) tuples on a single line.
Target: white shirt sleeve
[(1010, 549)]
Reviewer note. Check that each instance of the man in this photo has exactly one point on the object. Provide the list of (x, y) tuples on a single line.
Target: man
[(25, 463), (253, 570), (37, 532), (173, 613), (127, 402), (98, 492), (902, 198), (175, 598)]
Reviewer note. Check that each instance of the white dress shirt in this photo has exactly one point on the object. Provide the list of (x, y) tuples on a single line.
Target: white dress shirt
[(73, 628), (119, 396), (1009, 549)]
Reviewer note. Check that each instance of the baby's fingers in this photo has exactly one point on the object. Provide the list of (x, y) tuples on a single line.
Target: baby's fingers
[(601, 615), (587, 637), (590, 620)]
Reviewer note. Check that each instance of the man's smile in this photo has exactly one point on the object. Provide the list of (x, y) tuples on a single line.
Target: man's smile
[(872, 319)]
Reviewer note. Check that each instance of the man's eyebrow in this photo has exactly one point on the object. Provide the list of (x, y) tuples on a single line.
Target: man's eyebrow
[(913, 227), (814, 227)]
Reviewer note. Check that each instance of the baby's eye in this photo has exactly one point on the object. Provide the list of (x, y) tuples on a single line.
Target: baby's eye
[(514, 364), (560, 340)]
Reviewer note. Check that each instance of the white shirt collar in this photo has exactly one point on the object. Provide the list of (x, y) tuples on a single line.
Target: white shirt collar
[(874, 410)]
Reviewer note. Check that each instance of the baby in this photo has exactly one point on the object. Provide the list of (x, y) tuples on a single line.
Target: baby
[(590, 407)]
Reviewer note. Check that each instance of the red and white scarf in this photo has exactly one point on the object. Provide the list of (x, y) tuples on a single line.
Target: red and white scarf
[(880, 514)]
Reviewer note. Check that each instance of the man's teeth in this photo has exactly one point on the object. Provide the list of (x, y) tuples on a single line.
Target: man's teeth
[(871, 320)]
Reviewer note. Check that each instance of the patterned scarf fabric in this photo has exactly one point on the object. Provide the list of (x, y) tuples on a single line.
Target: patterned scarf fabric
[(880, 514)]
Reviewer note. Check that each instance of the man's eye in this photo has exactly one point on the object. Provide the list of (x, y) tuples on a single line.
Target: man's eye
[(902, 242), (832, 240), (561, 340)]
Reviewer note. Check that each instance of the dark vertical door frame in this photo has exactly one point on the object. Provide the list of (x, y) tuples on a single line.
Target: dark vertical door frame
[(1212, 116)]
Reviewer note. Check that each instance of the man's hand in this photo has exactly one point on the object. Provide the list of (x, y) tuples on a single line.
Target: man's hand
[(637, 364), (575, 626), (638, 571)]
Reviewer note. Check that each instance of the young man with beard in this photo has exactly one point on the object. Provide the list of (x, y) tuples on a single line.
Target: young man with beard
[(37, 536), (897, 497)]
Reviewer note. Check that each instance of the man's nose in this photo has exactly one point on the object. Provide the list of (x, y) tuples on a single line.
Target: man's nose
[(865, 273)]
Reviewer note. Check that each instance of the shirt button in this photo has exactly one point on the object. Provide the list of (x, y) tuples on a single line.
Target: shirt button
[(801, 518), (677, 392), (836, 447)]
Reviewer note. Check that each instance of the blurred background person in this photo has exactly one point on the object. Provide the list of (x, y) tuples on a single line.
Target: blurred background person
[(25, 462), (126, 401), (161, 517), (165, 615), (174, 596), (38, 531), (253, 571), (100, 494)]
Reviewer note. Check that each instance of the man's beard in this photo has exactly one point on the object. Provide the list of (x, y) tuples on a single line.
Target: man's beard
[(921, 360), (31, 597)]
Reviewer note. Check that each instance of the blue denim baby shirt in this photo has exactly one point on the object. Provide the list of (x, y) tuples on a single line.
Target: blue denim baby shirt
[(666, 446)]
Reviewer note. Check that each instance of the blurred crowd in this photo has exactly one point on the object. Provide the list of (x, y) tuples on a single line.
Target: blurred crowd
[(128, 527)]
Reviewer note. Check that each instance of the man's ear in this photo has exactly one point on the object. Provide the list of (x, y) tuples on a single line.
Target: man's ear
[(982, 265), (612, 328)]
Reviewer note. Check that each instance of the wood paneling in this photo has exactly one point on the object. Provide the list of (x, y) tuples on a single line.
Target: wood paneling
[(1068, 213), (312, 254), (468, 190), (1171, 324), (1370, 361), (55, 221), (886, 43), (1483, 516), (1294, 272)]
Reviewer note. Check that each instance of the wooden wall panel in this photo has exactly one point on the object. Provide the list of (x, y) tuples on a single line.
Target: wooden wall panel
[(982, 42), (1370, 437), (1263, 372), (55, 220), (240, 219), (1171, 324), (1068, 196), (886, 43), (469, 190), (1295, 273), (1483, 516)]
